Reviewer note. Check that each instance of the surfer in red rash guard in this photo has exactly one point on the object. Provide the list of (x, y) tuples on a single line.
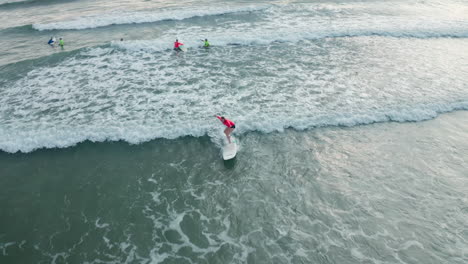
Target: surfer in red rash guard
[(177, 45), (230, 127)]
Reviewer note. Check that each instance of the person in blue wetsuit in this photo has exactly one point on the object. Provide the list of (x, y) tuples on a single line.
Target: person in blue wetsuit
[(51, 41)]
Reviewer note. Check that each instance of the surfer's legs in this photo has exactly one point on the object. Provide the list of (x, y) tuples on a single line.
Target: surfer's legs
[(228, 132)]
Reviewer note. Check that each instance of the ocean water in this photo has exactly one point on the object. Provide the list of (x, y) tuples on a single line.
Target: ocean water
[(350, 116)]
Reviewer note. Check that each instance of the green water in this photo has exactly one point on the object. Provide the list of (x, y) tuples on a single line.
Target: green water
[(332, 195), (350, 119)]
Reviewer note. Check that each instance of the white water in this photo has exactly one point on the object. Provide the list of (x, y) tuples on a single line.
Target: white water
[(106, 94), (381, 193), (287, 69), (299, 20)]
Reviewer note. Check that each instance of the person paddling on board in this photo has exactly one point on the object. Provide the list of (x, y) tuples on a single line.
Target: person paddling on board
[(206, 43), (51, 41), (230, 127), (177, 45)]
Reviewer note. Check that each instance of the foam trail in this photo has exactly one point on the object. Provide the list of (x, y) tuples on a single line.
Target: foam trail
[(118, 18)]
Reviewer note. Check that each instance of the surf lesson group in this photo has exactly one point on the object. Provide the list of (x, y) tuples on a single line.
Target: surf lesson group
[(53, 40), (178, 46), (230, 150)]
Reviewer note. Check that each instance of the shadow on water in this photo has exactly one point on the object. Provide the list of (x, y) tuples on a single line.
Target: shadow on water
[(230, 164)]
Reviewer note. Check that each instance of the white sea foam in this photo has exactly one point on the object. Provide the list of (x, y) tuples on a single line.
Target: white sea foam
[(27, 141), (117, 18), (99, 225), (297, 23), (206, 241), (4, 246), (264, 37), (135, 94), (294, 22)]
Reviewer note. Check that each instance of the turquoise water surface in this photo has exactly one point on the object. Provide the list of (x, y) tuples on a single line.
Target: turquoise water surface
[(350, 117)]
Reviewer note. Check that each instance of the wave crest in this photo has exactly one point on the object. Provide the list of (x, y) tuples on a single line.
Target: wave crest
[(55, 137), (118, 18)]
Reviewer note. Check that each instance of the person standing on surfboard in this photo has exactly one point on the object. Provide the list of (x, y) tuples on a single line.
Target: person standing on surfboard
[(230, 127), (177, 45)]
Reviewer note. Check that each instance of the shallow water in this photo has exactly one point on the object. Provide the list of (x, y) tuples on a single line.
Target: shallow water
[(382, 193)]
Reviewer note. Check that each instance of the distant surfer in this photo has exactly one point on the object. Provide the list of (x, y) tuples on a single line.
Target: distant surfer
[(230, 127), (51, 41), (206, 43), (177, 45), (61, 43)]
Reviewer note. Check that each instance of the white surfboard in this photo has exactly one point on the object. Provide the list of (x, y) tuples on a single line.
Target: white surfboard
[(230, 150), (183, 48)]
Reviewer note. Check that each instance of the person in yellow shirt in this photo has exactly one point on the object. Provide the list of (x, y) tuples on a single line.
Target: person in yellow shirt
[(206, 43)]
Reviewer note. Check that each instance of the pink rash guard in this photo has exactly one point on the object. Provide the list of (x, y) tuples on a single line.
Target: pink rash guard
[(226, 122), (177, 44)]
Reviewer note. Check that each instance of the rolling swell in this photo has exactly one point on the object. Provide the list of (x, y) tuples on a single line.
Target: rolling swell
[(22, 3), (10, 3), (273, 23), (25, 29), (118, 18)]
